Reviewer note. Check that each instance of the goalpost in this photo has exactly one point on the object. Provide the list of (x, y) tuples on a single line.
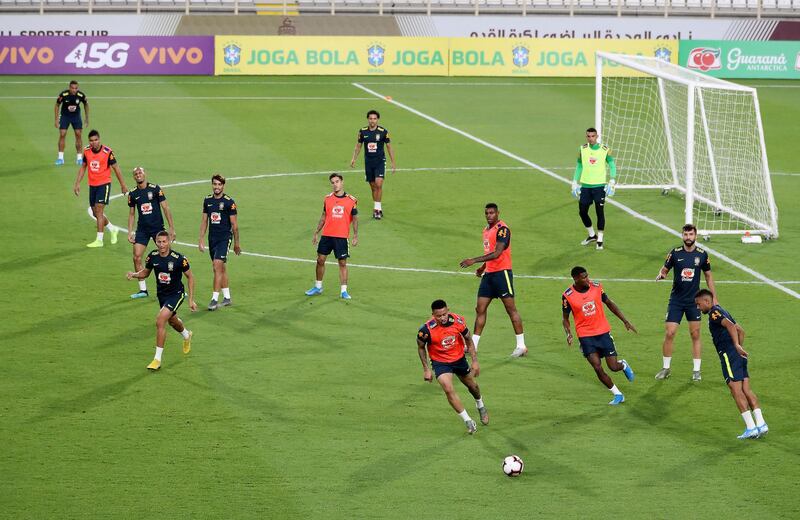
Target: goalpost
[(676, 129)]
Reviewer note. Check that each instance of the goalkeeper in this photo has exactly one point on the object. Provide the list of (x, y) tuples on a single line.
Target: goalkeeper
[(589, 185)]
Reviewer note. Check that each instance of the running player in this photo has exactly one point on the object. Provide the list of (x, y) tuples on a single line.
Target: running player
[(585, 300), (339, 210), (687, 262), (375, 137), (69, 102), (497, 280), (590, 187), (446, 339), (99, 160), (220, 210), (149, 201), (170, 267), (728, 337)]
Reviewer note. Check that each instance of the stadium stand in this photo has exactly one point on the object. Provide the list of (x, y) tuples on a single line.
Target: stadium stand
[(712, 8)]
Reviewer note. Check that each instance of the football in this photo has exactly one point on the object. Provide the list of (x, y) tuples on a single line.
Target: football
[(513, 466)]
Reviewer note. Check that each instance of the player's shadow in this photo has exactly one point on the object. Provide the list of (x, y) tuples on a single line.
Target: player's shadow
[(656, 404), (93, 398), (32, 262), (57, 322)]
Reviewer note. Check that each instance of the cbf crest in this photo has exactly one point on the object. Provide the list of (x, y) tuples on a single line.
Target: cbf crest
[(232, 54), (376, 55), (170, 266), (697, 260), (521, 55), (221, 206), (149, 195)]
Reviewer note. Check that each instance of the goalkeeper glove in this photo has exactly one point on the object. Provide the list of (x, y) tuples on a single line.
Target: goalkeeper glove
[(576, 189), (611, 188)]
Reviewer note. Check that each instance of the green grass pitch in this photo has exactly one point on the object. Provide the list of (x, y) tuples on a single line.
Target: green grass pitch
[(290, 407)]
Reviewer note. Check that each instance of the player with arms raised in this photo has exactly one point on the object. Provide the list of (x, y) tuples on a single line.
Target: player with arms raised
[(728, 337), (687, 262), (99, 160), (149, 201), (170, 267), (446, 339), (585, 299), (497, 279)]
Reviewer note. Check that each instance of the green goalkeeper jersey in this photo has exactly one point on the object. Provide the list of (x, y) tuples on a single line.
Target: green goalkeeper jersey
[(590, 170)]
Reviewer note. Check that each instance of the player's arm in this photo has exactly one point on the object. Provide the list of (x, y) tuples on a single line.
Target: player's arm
[(736, 336), (139, 275), (118, 173), (203, 226), (618, 313), (58, 105), (168, 215), (610, 188), (131, 217), (706, 267), (190, 280), (86, 110), (423, 357), (391, 155), (668, 264), (503, 238), (235, 229), (320, 224), (355, 230), (76, 188), (576, 187), (356, 151), (473, 354), (565, 310)]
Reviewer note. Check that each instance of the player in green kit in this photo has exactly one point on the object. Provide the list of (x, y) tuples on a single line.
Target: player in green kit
[(589, 184)]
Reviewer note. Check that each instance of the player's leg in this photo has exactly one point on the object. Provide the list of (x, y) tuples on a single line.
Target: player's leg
[(472, 385), (600, 210), (377, 195), (516, 322), (446, 382), (138, 252), (670, 329), (177, 324), (62, 138), (583, 210), (481, 308), (78, 145), (593, 357), (225, 286), (694, 332), (343, 278), (737, 392), (218, 268), (162, 318), (752, 401)]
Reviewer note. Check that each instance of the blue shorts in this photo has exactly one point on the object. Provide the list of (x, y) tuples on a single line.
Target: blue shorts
[(218, 248), (65, 120), (734, 366), (459, 368), (603, 344), (100, 194), (591, 195), (374, 169), (676, 311), (171, 301), (144, 237), (339, 246), (499, 284)]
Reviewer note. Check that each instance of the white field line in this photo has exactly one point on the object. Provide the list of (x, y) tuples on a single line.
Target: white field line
[(212, 98), (414, 269), (613, 202)]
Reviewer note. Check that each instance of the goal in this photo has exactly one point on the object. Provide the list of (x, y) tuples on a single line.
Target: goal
[(676, 129)]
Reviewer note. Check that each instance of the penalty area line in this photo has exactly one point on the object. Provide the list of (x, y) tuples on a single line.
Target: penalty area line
[(623, 207)]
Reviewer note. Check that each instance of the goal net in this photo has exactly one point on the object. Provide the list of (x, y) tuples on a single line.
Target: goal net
[(675, 129)]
